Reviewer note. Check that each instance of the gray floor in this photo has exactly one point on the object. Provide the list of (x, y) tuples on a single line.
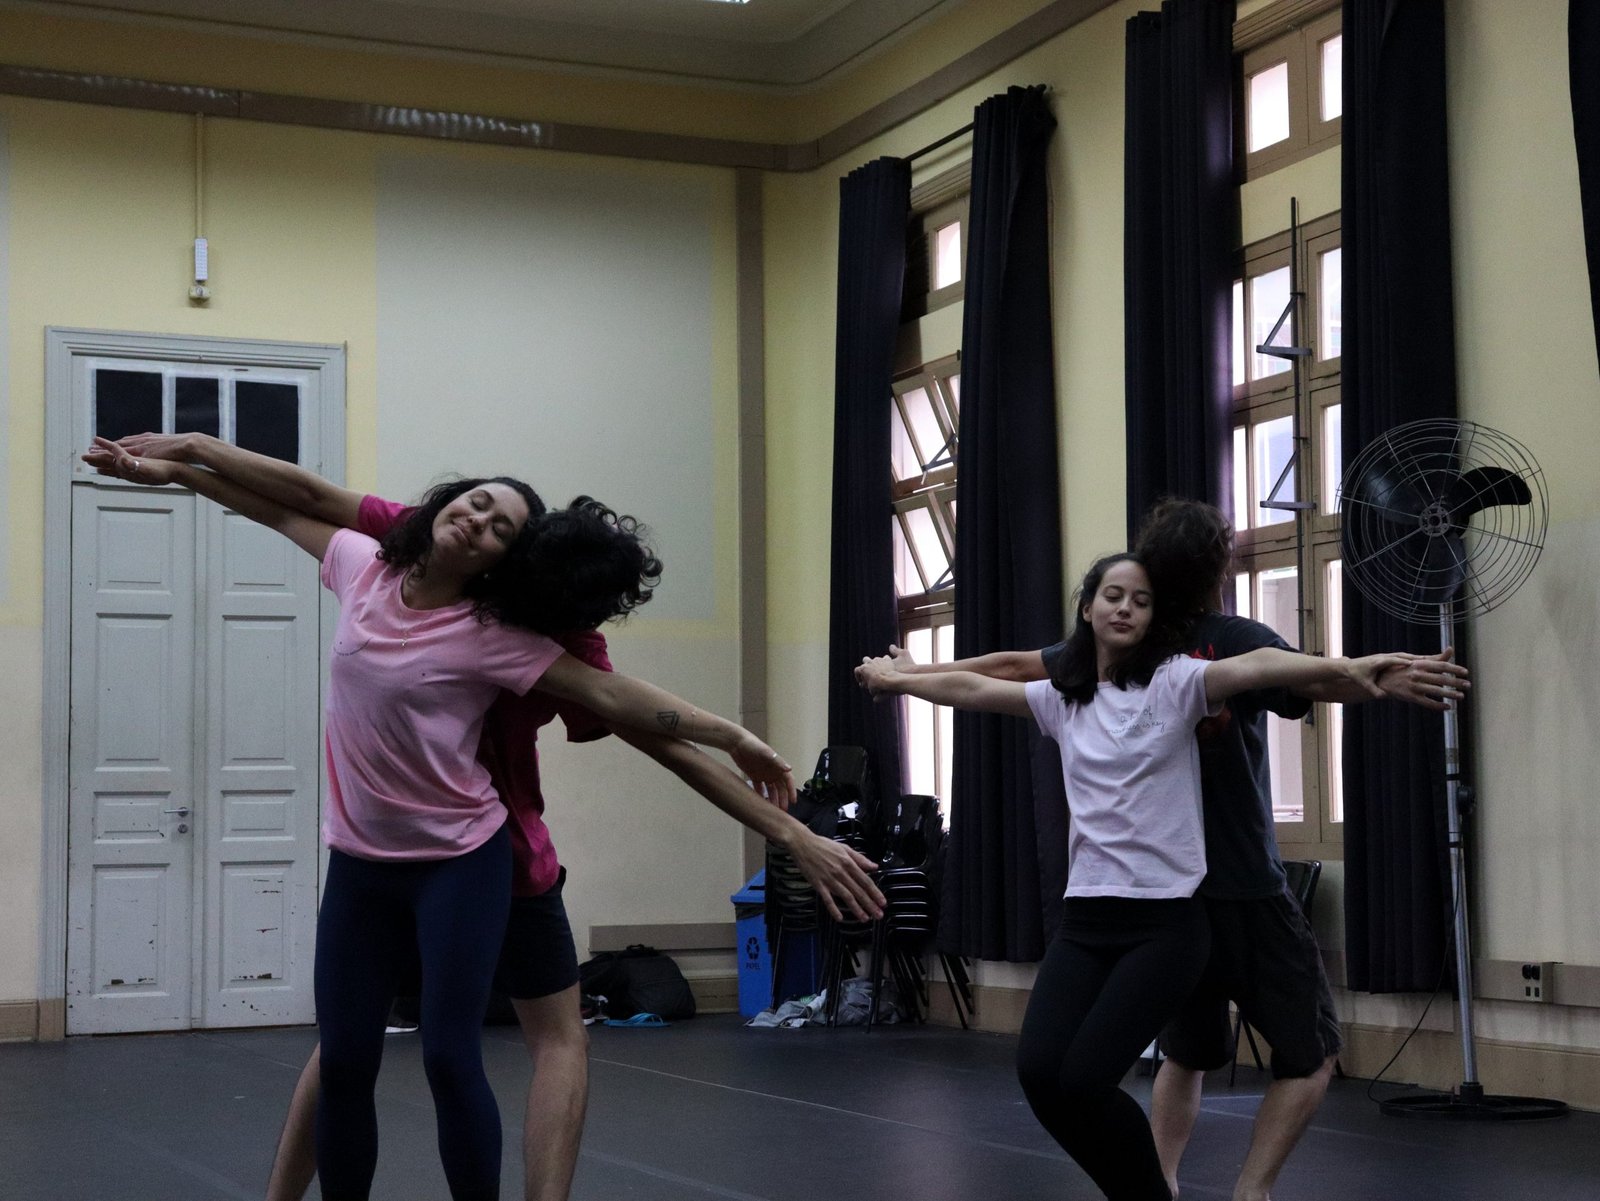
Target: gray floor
[(708, 1109)]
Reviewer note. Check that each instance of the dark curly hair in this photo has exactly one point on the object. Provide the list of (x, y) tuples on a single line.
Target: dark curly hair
[(567, 569), (1187, 547), (1077, 669), (584, 565)]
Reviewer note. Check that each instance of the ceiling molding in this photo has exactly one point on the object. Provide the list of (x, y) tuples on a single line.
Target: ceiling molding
[(834, 37), (532, 134)]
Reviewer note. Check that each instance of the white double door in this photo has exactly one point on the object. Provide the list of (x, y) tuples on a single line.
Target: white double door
[(194, 766)]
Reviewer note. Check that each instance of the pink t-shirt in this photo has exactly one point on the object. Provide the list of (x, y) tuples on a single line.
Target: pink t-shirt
[(407, 694), (1132, 770), (509, 747)]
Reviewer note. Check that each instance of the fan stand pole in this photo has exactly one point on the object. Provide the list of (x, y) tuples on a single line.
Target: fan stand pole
[(1470, 1089), (1468, 1102)]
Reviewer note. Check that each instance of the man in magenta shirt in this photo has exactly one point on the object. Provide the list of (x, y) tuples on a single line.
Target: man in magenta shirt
[(538, 963)]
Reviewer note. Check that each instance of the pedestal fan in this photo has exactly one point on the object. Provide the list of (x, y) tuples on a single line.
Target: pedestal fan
[(1445, 519)]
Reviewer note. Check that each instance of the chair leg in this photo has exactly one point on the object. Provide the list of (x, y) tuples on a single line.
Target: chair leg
[(950, 982), (1255, 1051), (875, 971), (1238, 1027)]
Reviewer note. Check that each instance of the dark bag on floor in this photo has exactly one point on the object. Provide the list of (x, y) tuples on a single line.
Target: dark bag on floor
[(638, 980)]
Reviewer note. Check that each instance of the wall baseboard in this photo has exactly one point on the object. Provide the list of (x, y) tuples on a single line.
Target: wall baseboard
[(19, 1021), (995, 1010), (1432, 1060), (715, 994)]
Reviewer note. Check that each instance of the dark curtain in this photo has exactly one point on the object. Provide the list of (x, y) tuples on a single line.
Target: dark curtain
[(1399, 366), (1007, 861), (1583, 65), (874, 207), (1180, 227)]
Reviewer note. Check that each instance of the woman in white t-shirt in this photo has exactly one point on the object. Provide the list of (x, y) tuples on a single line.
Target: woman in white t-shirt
[(432, 625), (1133, 936)]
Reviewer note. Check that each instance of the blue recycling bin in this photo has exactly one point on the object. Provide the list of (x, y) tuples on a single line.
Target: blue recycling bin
[(750, 933)]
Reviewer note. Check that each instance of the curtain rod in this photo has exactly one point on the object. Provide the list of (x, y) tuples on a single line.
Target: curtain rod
[(932, 146)]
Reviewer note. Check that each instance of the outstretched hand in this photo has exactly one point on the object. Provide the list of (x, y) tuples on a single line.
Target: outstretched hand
[(1432, 681), (1367, 670), (766, 769), (114, 459), (875, 672), (840, 877)]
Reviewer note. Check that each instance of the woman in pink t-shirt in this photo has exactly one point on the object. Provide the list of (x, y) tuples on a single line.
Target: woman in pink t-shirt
[(1133, 938), (434, 622)]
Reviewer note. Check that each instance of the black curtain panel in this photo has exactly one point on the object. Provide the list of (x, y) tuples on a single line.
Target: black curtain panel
[(874, 207), (1180, 228), (1399, 366), (1583, 63), (1006, 865)]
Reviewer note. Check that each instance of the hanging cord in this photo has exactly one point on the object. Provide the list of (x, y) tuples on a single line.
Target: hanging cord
[(1444, 963)]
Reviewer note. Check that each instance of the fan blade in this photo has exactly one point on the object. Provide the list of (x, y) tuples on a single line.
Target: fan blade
[(1382, 487), (1444, 570), (1478, 489)]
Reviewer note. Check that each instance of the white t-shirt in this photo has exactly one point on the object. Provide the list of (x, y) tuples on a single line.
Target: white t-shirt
[(1132, 770)]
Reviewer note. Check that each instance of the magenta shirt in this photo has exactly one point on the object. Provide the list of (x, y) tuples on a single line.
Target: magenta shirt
[(407, 694), (509, 746)]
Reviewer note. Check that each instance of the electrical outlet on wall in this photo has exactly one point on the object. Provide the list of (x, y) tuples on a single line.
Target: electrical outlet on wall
[(1538, 980)]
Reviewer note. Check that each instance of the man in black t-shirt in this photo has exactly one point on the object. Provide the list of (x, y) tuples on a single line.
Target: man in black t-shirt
[(1264, 955)]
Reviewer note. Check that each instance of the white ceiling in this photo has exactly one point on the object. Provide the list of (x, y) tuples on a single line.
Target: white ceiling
[(772, 42)]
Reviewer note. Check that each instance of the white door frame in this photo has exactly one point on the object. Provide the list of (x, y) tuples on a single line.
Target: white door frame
[(62, 347)]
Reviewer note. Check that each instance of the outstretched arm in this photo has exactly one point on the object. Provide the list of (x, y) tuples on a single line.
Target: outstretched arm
[(962, 689), (309, 534), (1270, 667), (285, 483), (639, 705), (837, 873), (1432, 681), (1019, 666)]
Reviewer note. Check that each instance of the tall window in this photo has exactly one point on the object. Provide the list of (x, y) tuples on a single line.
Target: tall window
[(925, 419), (1269, 425), (1292, 95)]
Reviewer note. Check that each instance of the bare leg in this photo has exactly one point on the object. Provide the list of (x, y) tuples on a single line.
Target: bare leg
[(1286, 1111), (558, 1044), (296, 1161), (1174, 1106)]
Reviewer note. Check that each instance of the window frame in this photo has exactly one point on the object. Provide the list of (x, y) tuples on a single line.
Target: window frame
[(1287, 34)]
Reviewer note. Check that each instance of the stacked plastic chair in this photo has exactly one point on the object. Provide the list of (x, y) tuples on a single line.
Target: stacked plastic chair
[(834, 804)]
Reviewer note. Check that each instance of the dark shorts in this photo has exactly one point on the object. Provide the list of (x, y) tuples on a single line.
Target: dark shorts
[(1265, 959), (538, 957)]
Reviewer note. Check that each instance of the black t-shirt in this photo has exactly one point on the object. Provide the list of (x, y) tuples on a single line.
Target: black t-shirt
[(1242, 860)]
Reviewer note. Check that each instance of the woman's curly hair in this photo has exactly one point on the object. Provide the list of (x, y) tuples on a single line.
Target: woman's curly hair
[(585, 564), (1187, 547), (567, 569)]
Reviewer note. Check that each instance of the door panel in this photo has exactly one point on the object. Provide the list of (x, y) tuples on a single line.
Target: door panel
[(129, 961)]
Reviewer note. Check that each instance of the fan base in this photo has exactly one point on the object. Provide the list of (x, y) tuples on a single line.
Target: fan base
[(1471, 1104)]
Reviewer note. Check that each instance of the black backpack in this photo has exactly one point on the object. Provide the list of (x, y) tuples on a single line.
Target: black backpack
[(638, 980)]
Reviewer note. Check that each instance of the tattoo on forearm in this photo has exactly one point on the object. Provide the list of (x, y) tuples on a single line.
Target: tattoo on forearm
[(668, 719)]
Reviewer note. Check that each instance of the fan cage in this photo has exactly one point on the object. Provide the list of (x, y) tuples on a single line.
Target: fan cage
[(1386, 551)]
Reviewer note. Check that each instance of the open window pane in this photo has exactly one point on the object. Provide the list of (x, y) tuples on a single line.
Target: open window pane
[(1333, 77), (952, 387), (903, 461), (127, 402), (927, 435), (906, 580), (1241, 596), (1269, 296), (945, 652), (1274, 444), (1333, 639), (1277, 598), (925, 542), (1268, 119), (947, 255), (1330, 305), (1332, 456)]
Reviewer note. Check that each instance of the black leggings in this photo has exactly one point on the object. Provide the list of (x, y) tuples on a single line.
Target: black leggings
[(375, 917), (1117, 970)]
